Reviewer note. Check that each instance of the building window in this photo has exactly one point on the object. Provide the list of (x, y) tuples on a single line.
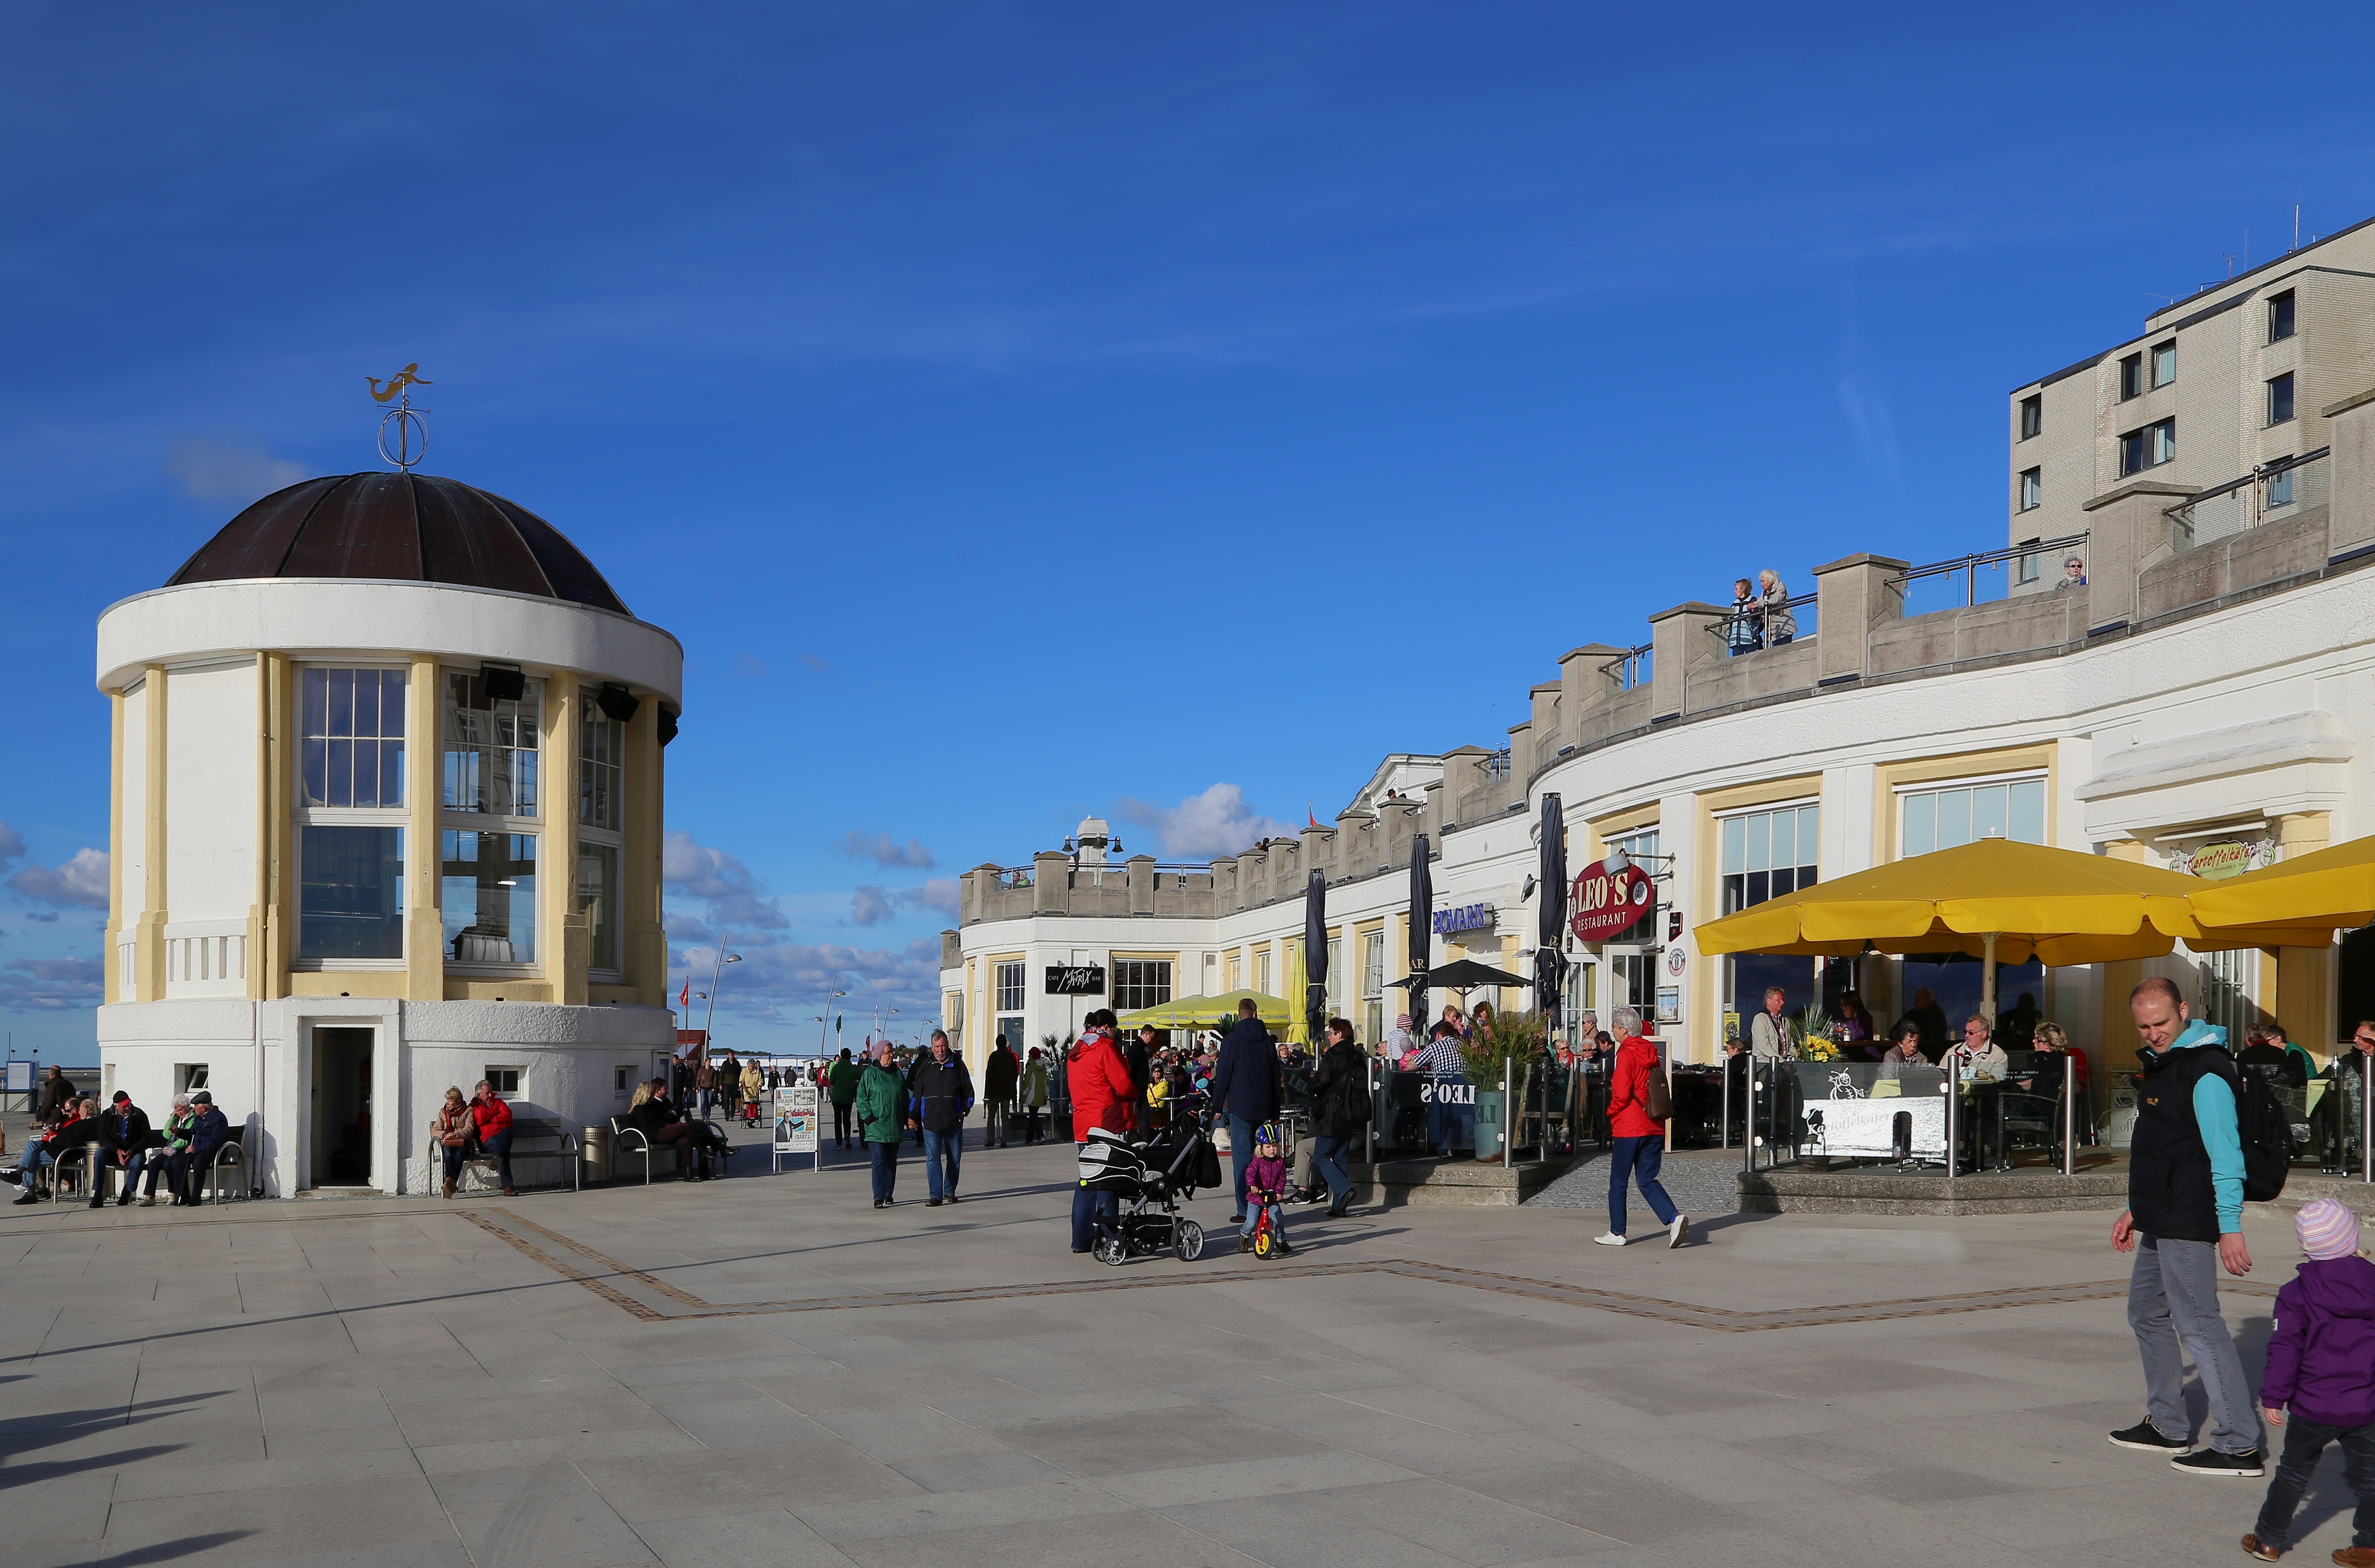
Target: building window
[(2147, 448), (601, 754), (1262, 971), (2164, 364), (1767, 854), (351, 899), (2280, 489), (2132, 377), (489, 892), (622, 1080), (1236, 967), (353, 736), (2280, 399), (505, 1080), (1642, 847), (2032, 415), (1941, 818), (598, 900), (2025, 568), (1630, 978), (1373, 985), (1009, 992), (1140, 982), (2032, 490), (2280, 316), (490, 748)]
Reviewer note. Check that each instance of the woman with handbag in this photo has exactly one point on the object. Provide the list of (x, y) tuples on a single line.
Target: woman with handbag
[(453, 1129)]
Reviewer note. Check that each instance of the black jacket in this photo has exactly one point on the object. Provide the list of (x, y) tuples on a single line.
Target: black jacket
[(2170, 1193), (128, 1131), (1340, 1066), (939, 1094), (1247, 1080)]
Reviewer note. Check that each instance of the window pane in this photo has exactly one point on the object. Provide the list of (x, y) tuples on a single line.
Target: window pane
[(1735, 845), (490, 758), (2164, 364), (1785, 879), (366, 767), (2025, 815), (598, 897), (342, 759), (350, 896), (1760, 886), (1760, 845), (391, 702), (315, 716), (317, 772), (1920, 823), (489, 897), (366, 716), (342, 701), (1988, 805), (1810, 836), (1954, 817), (391, 773)]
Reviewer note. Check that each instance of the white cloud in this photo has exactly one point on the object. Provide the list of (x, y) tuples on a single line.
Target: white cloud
[(213, 470), (12, 843), (938, 894), (869, 905), (784, 984), (82, 880), (734, 896), (1214, 823), (883, 850), (49, 984)]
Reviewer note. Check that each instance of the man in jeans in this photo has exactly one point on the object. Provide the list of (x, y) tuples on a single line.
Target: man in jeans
[(2185, 1208), (940, 1094), (1248, 1084)]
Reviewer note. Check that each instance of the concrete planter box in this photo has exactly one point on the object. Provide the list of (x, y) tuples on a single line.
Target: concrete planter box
[(1451, 1184)]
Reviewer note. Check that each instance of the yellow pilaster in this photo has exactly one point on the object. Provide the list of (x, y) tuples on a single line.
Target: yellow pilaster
[(268, 969), (565, 954), (148, 957), (644, 940), (2304, 1000), (111, 967), (424, 745)]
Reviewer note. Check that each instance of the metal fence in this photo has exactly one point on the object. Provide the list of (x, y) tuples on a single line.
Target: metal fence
[(2272, 492)]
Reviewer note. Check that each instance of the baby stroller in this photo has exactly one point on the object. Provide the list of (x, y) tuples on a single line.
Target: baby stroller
[(1148, 1180)]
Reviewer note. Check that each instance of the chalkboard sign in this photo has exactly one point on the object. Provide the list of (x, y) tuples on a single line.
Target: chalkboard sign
[(1076, 980)]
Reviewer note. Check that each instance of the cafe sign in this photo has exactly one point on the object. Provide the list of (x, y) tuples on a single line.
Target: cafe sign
[(1076, 980), (1606, 903), (2228, 857), (1467, 917)]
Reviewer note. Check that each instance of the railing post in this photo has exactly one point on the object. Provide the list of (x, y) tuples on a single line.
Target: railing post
[(2069, 1114)]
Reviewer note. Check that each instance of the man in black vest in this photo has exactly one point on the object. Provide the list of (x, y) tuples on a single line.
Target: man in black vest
[(2185, 1205)]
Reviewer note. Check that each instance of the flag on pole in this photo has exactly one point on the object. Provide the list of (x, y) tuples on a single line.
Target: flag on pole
[(684, 997)]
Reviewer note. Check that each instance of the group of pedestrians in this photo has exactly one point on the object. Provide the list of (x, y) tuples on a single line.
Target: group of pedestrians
[(123, 1141), (1760, 616)]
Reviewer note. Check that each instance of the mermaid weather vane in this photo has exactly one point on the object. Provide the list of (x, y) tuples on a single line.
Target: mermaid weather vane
[(411, 435)]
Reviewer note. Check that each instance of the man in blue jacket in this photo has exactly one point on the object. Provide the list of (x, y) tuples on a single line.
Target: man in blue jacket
[(940, 1094), (1248, 1085), (208, 1129), (2184, 1219)]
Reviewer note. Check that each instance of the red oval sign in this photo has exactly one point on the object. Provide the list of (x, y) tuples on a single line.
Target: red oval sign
[(1605, 904)]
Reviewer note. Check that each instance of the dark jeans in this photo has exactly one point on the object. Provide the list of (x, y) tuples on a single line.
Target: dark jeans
[(1031, 1114), (943, 1153), (500, 1146), (1638, 1158), (1241, 1154), (1328, 1158), (886, 1168), (2304, 1441), (995, 1114), (840, 1114), (454, 1157), (1088, 1205), (160, 1164)]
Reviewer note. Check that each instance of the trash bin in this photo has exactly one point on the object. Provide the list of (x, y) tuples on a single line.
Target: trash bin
[(594, 1153), (1489, 1112)]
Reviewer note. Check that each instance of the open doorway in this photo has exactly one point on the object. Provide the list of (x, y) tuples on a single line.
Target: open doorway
[(342, 1122)]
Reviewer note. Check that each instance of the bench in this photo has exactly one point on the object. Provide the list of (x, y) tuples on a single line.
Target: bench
[(628, 1142), (532, 1138), (210, 1176)]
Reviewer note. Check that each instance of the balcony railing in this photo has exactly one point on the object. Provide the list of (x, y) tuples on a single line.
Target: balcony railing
[(1747, 631), (2023, 562), (2289, 486), (1630, 669)]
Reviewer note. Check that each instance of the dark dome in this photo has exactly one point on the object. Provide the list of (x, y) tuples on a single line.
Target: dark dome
[(404, 527)]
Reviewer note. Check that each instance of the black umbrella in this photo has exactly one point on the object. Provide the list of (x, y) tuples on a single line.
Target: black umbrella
[(1550, 962), (1314, 957), (1463, 976), (1421, 936)]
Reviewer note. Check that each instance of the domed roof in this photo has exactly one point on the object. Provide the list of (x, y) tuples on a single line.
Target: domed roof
[(404, 527)]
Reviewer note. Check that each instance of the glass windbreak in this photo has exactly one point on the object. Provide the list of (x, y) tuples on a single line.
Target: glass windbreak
[(490, 749), (351, 902), (351, 739), (601, 750), (1880, 1111), (489, 897), (597, 898)]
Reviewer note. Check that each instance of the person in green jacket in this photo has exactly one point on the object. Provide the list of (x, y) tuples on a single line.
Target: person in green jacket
[(841, 1088), (882, 1105)]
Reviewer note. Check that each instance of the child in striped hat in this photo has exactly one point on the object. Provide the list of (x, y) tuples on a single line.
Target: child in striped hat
[(2320, 1386)]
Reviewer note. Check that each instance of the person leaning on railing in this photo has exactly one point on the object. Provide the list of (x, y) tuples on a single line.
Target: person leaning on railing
[(1742, 632), (1780, 626)]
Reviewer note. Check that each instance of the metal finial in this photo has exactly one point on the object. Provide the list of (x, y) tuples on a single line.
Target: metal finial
[(411, 435)]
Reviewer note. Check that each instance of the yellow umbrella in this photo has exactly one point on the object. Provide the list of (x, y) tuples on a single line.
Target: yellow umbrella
[(1203, 1012), (1999, 901), (1298, 984), (2332, 888)]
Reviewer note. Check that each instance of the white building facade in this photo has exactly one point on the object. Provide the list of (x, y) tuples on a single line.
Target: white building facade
[(386, 817)]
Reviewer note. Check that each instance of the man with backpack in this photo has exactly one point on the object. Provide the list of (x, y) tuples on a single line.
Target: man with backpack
[(2186, 1180), (1638, 1103), (1340, 1108)]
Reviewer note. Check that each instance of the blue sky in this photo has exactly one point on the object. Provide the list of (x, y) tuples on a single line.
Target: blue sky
[(1021, 411)]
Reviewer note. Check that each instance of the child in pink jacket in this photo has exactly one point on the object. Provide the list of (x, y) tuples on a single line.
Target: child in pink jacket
[(1265, 1184)]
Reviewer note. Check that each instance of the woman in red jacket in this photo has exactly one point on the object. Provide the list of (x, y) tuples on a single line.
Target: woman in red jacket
[(494, 1120), (1640, 1140), (1102, 1090)]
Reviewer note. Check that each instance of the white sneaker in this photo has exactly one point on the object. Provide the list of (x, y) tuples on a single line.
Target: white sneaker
[(1610, 1240), (1679, 1232), (148, 1201)]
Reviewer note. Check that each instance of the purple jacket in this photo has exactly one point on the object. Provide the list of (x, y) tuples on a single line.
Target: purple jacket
[(1265, 1178), (2322, 1354)]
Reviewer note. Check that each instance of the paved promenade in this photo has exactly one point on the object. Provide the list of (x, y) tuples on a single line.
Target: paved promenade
[(768, 1371)]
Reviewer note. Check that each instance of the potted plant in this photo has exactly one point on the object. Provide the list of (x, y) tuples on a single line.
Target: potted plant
[(1518, 1041)]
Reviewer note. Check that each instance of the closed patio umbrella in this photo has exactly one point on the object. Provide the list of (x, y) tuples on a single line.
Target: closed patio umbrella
[(1422, 933), (1315, 945), (1550, 927)]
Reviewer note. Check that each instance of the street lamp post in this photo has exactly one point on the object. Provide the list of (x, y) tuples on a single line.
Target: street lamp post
[(828, 1012), (724, 958)]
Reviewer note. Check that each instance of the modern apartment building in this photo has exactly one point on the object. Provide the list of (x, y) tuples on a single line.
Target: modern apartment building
[(2219, 404)]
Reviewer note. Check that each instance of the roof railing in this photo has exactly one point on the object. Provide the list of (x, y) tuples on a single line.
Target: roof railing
[(1970, 565), (1631, 669)]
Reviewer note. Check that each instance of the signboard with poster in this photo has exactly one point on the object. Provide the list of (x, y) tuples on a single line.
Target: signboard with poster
[(796, 1124), (1606, 903)]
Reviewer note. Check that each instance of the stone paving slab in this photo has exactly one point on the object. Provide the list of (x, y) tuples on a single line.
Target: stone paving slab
[(768, 1371)]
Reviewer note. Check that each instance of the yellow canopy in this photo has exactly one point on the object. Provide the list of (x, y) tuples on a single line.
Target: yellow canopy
[(1203, 1012), (2334, 889), (2052, 905)]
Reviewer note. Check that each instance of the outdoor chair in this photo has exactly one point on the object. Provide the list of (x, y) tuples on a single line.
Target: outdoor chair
[(554, 1139)]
